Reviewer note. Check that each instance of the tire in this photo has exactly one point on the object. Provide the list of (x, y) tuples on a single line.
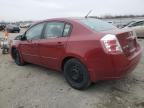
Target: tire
[(76, 74), (17, 58)]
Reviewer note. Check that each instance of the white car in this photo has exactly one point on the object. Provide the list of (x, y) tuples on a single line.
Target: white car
[(138, 27), (25, 25)]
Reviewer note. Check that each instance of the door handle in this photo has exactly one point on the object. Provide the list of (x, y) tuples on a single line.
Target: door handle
[(35, 44), (60, 44), (29, 41)]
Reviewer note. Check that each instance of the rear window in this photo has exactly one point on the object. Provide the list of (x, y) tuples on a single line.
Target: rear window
[(97, 25)]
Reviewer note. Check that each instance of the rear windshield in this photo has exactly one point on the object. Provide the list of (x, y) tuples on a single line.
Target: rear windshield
[(97, 25)]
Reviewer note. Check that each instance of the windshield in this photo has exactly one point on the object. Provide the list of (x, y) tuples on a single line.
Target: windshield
[(97, 25)]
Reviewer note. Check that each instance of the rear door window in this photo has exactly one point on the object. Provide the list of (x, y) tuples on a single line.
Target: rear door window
[(54, 29), (57, 29), (67, 30)]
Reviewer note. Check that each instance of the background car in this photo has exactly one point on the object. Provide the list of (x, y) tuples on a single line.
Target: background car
[(85, 50), (138, 27), (2, 26), (25, 25), (128, 24), (13, 28), (135, 24)]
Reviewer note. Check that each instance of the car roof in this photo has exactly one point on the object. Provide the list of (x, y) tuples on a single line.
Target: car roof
[(69, 19)]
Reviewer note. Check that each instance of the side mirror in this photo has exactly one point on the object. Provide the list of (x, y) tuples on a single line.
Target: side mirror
[(23, 37), (19, 37)]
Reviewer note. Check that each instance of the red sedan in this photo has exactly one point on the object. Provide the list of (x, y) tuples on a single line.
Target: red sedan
[(85, 50)]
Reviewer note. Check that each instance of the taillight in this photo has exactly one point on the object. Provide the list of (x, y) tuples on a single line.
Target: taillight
[(111, 44)]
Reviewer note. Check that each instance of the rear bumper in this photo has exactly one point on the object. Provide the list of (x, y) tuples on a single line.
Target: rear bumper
[(124, 65), (117, 67)]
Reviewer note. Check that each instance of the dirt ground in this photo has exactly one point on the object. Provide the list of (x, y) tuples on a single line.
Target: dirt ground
[(32, 86)]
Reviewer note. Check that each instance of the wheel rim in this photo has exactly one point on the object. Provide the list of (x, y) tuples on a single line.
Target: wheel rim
[(75, 74)]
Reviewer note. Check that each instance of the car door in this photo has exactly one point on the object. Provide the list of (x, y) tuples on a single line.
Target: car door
[(52, 47), (30, 46)]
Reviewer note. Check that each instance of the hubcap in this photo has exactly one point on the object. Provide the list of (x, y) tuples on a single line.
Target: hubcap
[(76, 74)]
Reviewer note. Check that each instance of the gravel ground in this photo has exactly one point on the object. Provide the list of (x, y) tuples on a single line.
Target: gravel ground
[(32, 86)]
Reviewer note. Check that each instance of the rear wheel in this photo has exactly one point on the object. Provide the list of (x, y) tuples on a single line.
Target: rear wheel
[(17, 58), (76, 74)]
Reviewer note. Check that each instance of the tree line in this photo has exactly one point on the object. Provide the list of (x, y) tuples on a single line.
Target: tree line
[(116, 16)]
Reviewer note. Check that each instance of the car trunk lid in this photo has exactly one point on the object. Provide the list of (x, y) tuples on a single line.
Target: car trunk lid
[(127, 40)]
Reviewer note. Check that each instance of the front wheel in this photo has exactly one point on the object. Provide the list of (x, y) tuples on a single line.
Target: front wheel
[(18, 59), (76, 74)]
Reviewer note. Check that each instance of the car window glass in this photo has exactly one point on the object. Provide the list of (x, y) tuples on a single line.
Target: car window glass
[(97, 25), (138, 23), (66, 30), (35, 32), (143, 23), (54, 29)]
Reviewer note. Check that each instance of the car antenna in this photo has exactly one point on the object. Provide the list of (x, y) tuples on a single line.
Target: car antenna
[(88, 13)]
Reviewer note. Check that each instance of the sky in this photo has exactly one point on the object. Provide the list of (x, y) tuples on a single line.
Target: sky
[(16, 10)]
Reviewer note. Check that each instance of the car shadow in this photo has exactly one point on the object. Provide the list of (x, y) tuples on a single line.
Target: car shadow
[(99, 86)]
